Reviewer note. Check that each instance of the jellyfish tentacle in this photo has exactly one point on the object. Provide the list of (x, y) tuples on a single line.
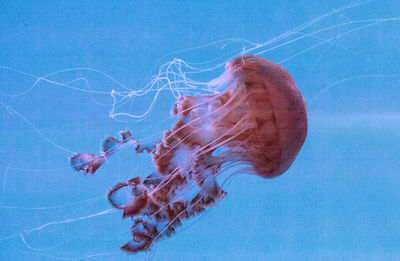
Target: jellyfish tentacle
[(89, 163), (114, 189), (157, 204)]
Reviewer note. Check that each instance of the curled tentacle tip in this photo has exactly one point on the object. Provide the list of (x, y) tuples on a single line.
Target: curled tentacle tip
[(89, 163), (133, 247)]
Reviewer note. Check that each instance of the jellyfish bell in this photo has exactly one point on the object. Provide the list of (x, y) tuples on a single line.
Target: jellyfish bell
[(274, 110), (260, 121), (261, 116)]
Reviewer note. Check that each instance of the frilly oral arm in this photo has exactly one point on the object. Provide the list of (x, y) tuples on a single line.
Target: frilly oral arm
[(89, 163)]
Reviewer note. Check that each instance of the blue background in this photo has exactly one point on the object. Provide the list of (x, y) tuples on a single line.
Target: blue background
[(339, 200)]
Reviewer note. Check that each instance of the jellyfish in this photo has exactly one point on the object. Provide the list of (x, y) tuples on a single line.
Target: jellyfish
[(258, 122)]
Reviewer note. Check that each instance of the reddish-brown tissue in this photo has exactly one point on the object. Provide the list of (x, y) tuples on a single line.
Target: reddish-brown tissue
[(258, 121)]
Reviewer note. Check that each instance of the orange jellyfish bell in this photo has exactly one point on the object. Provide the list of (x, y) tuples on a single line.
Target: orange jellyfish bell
[(275, 112), (261, 116), (259, 121)]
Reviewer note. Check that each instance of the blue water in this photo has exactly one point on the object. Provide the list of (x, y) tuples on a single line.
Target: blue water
[(338, 201)]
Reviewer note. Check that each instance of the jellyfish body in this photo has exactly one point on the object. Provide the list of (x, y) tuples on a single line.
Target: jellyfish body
[(259, 121)]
